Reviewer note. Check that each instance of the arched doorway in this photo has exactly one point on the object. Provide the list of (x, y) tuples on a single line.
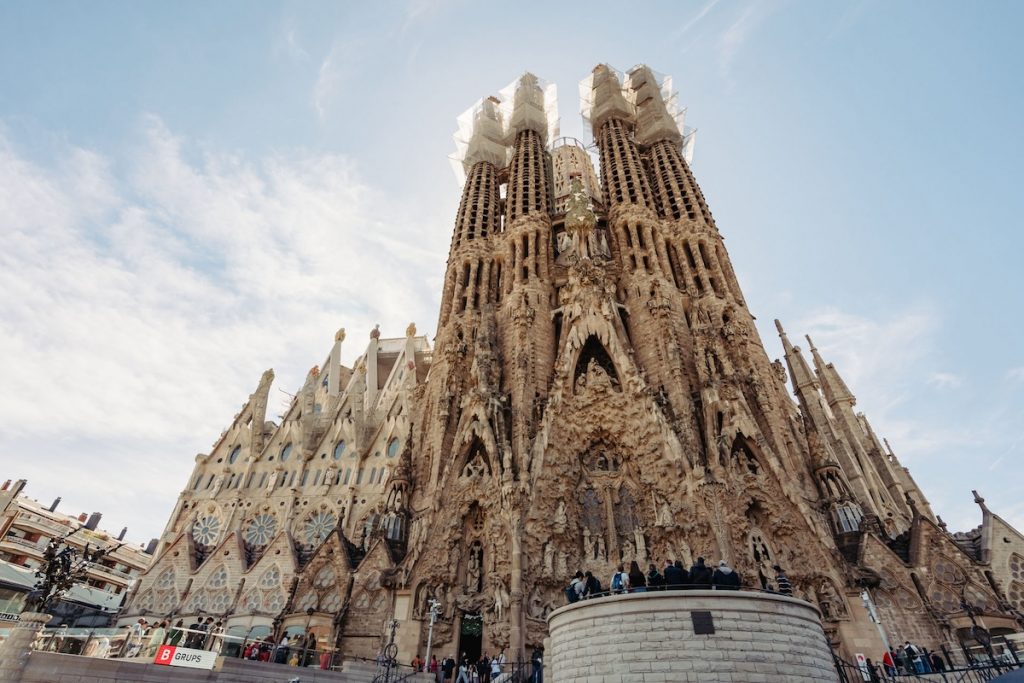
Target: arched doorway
[(471, 636)]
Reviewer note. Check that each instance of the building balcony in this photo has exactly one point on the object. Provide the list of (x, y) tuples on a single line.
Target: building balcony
[(40, 524), (110, 574), (23, 546)]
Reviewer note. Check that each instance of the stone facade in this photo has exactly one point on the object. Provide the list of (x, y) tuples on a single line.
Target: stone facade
[(597, 393), (644, 637)]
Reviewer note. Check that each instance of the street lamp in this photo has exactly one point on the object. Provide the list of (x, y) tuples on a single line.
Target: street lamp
[(434, 606)]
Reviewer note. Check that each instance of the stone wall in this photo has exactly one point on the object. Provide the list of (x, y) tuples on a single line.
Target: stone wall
[(758, 638)]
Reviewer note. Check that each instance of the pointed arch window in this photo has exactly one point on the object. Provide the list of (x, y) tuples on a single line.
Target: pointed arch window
[(286, 452), (234, 455)]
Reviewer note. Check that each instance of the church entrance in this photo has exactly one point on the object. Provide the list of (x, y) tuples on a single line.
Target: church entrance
[(471, 637)]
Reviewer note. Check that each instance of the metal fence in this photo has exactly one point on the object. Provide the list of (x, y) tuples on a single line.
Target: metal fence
[(850, 672)]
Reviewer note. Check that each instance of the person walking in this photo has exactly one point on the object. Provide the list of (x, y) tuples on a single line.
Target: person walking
[(216, 638), (447, 669), (497, 662), (592, 587), (620, 581), (537, 660), (637, 580), (725, 578), (483, 668), (700, 576), (782, 583)]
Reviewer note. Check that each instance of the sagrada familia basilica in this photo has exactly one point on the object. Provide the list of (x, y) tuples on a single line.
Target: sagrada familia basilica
[(596, 393)]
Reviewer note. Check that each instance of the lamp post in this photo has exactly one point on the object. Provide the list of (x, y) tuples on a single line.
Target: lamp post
[(869, 605), (434, 606)]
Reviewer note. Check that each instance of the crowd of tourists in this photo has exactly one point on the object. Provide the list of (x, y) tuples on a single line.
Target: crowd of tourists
[(673, 576), (483, 670), (906, 659), (145, 638)]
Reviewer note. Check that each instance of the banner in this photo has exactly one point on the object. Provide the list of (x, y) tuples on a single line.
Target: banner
[(169, 655)]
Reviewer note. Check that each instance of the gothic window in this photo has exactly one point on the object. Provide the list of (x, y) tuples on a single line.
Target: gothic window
[(318, 526), (145, 601), (218, 579), (197, 603), (848, 518), (206, 529), (307, 601), (252, 600), (166, 579), (271, 578), (948, 572), (166, 602), (339, 449), (220, 601), (331, 603), (325, 578), (234, 454), (392, 448), (274, 602), (260, 529), (593, 514), (1017, 566), (286, 452)]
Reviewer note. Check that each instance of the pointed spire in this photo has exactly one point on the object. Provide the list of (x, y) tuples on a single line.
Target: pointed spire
[(607, 99), (654, 123), (833, 385), (799, 371), (529, 108)]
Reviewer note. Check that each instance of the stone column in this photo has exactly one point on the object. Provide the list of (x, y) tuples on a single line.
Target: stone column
[(15, 651)]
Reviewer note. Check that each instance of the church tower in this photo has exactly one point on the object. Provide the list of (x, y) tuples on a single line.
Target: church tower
[(597, 394)]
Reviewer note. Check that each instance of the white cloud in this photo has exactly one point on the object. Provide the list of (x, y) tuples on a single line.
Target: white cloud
[(335, 70), (693, 21), (736, 35), (143, 298), (1015, 374), (945, 380)]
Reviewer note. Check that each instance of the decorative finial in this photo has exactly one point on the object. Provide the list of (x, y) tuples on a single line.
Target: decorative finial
[(810, 343), (778, 326), (938, 520), (980, 501), (375, 332), (411, 330), (339, 336), (314, 371)]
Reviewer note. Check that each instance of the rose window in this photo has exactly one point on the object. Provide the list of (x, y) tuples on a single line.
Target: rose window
[(1017, 594), (206, 529), (319, 526), (260, 529), (1017, 566)]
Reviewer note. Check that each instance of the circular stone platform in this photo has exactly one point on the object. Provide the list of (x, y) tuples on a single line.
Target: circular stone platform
[(699, 635)]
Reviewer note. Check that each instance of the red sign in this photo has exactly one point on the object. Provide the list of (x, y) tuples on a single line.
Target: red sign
[(169, 655)]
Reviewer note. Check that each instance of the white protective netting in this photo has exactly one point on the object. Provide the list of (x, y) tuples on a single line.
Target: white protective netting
[(486, 131)]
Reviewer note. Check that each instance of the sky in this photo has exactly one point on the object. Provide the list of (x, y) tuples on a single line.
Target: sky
[(191, 193)]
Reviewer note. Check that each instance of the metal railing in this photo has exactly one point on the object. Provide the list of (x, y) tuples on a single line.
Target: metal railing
[(980, 672)]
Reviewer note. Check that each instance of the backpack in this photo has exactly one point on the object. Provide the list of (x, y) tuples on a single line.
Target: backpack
[(617, 581), (570, 593)]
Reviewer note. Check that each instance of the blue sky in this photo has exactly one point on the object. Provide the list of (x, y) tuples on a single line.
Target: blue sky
[(193, 192)]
